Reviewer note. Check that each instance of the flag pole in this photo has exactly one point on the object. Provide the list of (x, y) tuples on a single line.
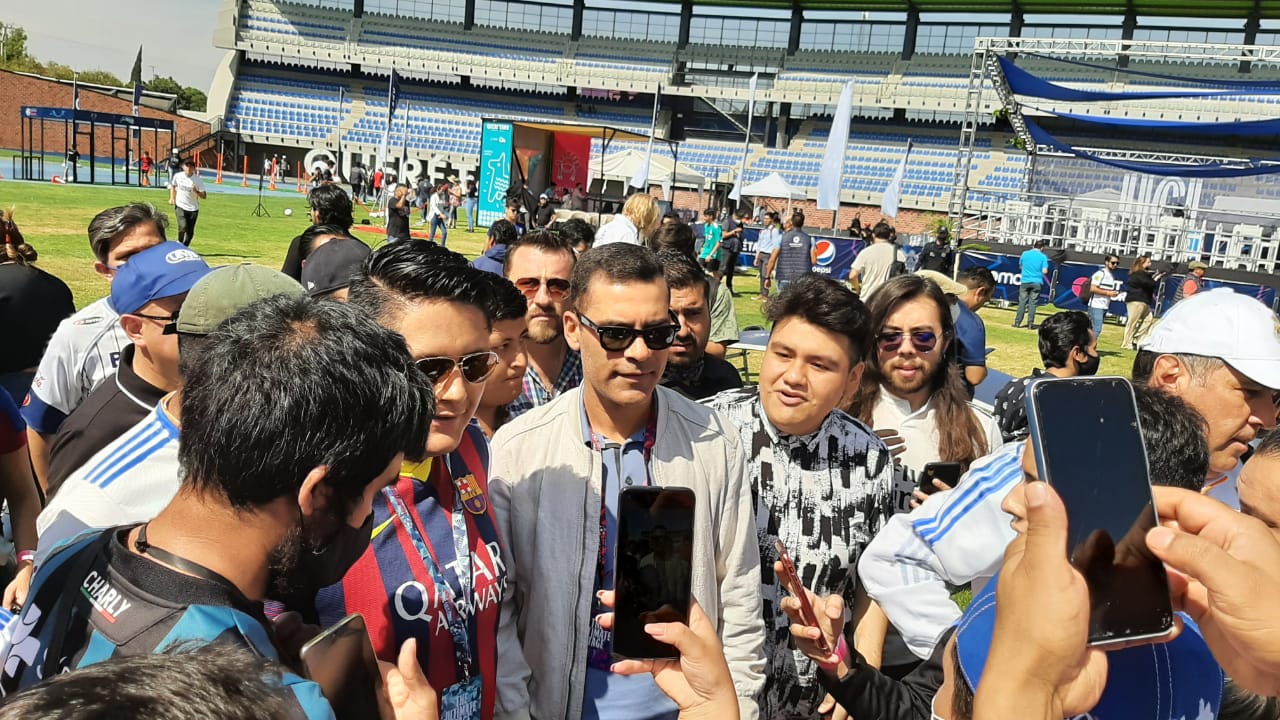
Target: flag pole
[(641, 179), (736, 194)]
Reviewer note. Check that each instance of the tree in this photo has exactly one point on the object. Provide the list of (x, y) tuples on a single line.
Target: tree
[(166, 85), (192, 99), (100, 77), (13, 44)]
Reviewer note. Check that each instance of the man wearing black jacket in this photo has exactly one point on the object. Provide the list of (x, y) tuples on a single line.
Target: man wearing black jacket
[(938, 255)]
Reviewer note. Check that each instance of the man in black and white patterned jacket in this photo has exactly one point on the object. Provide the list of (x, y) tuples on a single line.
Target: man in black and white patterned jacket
[(821, 481)]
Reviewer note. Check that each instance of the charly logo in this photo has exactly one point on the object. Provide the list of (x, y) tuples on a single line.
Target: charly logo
[(104, 598)]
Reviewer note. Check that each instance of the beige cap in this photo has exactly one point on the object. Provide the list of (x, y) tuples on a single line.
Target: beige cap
[(949, 286)]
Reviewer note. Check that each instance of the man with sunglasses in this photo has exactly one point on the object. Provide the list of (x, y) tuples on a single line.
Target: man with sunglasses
[(821, 480), (434, 569), (134, 476), (147, 291), (558, 473), (539, 265), (1103, 287)]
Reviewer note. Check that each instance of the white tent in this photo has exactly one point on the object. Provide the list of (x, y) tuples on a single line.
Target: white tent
[(773, 186), (623, 166)]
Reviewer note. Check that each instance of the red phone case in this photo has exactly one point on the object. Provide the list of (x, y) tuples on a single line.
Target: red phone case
[(806, 610)]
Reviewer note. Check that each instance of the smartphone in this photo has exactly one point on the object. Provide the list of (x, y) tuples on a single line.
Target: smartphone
[(341, 661), (947, 472), (806, 609), (652, 568), (1088, 445)]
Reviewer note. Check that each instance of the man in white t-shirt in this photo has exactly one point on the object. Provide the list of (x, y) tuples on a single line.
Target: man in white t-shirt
[(1104, 287), (85, 349), (185, 193), (875, 264), (769, 239)]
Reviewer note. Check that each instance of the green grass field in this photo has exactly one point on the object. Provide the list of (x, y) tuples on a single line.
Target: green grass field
[(54, 219)]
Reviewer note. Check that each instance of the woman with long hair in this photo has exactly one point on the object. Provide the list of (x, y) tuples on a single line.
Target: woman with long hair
[(1141, 291)]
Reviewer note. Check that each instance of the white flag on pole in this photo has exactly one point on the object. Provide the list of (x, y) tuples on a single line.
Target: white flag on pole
[(640, 180), (736, 194), (893, 193), (833, 161)]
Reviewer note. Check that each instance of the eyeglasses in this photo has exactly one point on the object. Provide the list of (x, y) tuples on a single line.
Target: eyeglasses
[(557, 288), (922, 340), (476, 367), (616, 338), (1113, 262), (170, 326)]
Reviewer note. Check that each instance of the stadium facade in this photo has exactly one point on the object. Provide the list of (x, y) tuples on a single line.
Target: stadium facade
[(304, 77)]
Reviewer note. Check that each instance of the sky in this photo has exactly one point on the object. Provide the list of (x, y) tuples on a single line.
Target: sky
[(176, 36)]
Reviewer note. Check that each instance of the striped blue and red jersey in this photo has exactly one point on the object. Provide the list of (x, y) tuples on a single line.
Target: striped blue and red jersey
[(391, 586)]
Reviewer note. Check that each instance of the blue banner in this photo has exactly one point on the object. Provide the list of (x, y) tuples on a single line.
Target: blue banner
[(93, 116), (1007, 270), (495, 170), (1169, 288), (1067, 283)]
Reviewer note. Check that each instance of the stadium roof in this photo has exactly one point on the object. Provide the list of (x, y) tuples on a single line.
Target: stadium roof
[(1168, 8)]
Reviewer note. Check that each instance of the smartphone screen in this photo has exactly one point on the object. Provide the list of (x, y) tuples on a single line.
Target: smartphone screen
[(1088, 445), (947, 472), (341, 661), (652, 567)]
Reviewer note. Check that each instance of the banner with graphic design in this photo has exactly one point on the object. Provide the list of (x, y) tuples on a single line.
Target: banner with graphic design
[(1007, 270), (569, 159), (495, 170)]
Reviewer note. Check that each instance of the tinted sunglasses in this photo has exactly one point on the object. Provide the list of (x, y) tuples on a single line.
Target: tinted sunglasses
[(475, 367), (557, 288), (170, 322), (616, 338), (922, 340)]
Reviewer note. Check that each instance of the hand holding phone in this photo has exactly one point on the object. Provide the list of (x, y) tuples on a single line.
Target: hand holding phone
[(791, 581), (652, 568), (893, 441), (341, 661), (1088, 445)]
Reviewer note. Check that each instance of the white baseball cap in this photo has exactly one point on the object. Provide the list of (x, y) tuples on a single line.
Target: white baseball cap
[(1224, 324)]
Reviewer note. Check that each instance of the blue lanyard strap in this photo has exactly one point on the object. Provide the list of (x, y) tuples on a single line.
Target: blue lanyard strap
[(446, 597)]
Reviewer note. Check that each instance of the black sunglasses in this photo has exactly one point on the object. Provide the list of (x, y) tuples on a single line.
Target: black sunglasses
[(922, 340), (476, 367), (616, 338), (170, 322)]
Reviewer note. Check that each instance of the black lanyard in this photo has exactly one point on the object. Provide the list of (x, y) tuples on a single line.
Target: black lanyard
[(180, 563)]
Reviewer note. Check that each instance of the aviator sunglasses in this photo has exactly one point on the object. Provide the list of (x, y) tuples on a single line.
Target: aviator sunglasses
[(475, 367), (922, 340), (616, 338), (557, 288)]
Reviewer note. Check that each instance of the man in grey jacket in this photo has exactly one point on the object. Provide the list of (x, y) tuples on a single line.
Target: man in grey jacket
[(555, 480)]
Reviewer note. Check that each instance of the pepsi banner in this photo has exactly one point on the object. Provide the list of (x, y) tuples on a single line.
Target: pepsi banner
[(834, 256), (495, 170)]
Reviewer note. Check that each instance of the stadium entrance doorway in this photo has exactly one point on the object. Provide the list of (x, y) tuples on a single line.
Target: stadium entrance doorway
[(112, 145)]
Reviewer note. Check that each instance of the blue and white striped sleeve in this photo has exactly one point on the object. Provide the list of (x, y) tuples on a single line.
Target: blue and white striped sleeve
[(955, 537)]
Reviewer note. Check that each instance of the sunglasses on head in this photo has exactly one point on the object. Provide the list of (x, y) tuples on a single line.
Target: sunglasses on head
[(557, 288), (475, 367), (616, 338), (922, 340)]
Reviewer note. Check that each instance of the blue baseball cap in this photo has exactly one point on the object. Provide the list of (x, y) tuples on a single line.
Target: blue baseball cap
[(1164, 681), (161, 271)]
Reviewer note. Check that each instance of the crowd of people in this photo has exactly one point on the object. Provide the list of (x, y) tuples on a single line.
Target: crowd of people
[(209, 465)]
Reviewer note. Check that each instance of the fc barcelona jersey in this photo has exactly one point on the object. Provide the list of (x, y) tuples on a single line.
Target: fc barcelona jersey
[(392, 587)]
